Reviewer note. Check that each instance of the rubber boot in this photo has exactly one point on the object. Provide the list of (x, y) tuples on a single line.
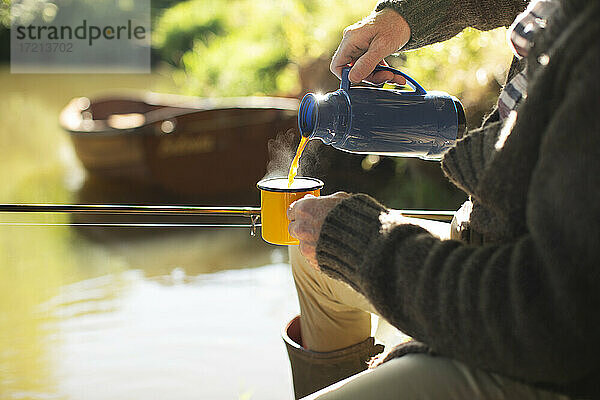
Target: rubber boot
[(312, 371)]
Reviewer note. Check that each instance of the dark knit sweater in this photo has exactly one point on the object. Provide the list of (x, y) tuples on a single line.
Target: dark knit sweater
[(524, 305), (437, 20)]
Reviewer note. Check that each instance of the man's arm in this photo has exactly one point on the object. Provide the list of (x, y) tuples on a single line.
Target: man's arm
[(527, 308), (434, 21), (408, 24)]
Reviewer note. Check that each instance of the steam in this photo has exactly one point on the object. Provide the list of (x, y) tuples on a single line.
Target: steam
[(281, 153), (310, 160)]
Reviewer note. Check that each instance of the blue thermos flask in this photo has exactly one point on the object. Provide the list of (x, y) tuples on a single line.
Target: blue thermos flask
[(388, 122)]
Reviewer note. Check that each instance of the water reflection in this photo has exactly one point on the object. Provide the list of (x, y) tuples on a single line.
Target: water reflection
[(106, 315), (160, 340), (137, 333)]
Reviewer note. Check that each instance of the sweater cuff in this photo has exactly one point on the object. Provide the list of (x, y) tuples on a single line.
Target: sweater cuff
[(425, 20), (346, 234)]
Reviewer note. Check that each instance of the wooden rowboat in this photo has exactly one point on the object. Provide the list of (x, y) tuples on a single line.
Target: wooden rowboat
[(205, 148)]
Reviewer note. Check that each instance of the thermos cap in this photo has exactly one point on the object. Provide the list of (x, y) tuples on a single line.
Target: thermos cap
[(307, 115)]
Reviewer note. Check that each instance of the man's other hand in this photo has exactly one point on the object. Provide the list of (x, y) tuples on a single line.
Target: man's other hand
[(306, 219)]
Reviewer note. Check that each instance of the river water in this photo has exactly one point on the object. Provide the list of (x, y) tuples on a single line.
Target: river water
[(183, 314)]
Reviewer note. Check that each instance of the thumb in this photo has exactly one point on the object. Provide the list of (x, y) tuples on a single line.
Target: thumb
[(366, 64)]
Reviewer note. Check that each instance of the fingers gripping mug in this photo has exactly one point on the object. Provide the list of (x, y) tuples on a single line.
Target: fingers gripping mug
[(275, 199)]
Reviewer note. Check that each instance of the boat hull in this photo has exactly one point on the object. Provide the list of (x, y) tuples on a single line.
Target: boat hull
[(185, 146)]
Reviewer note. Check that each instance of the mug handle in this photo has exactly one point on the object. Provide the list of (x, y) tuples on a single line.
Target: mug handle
[(345, 84)]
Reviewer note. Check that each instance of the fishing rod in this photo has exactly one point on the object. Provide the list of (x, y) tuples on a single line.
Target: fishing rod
[(129, 209), (253, 213)]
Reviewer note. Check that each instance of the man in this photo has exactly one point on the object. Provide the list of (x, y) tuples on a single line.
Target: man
[(507, 308)]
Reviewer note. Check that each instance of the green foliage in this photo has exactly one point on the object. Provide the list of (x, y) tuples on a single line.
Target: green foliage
[(247, 47), (181, 26), (244, 47), (471, 66), (419, 184), (4, 14)]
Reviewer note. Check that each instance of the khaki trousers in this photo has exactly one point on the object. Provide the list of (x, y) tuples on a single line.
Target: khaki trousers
[(334, 316)]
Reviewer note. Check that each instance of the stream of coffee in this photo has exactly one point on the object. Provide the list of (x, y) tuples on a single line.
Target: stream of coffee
[(294, 167)]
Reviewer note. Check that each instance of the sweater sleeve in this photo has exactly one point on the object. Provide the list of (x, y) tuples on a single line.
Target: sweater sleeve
[(434, 21), (525, 308)]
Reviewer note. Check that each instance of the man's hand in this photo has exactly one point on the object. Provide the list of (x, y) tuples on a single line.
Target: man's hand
[(306, 219), (367, 42)]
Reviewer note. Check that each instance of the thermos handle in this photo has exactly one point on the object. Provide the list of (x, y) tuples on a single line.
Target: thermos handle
[(345, 84)]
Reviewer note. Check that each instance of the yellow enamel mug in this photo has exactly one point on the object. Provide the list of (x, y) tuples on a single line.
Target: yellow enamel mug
[(275, 199)]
